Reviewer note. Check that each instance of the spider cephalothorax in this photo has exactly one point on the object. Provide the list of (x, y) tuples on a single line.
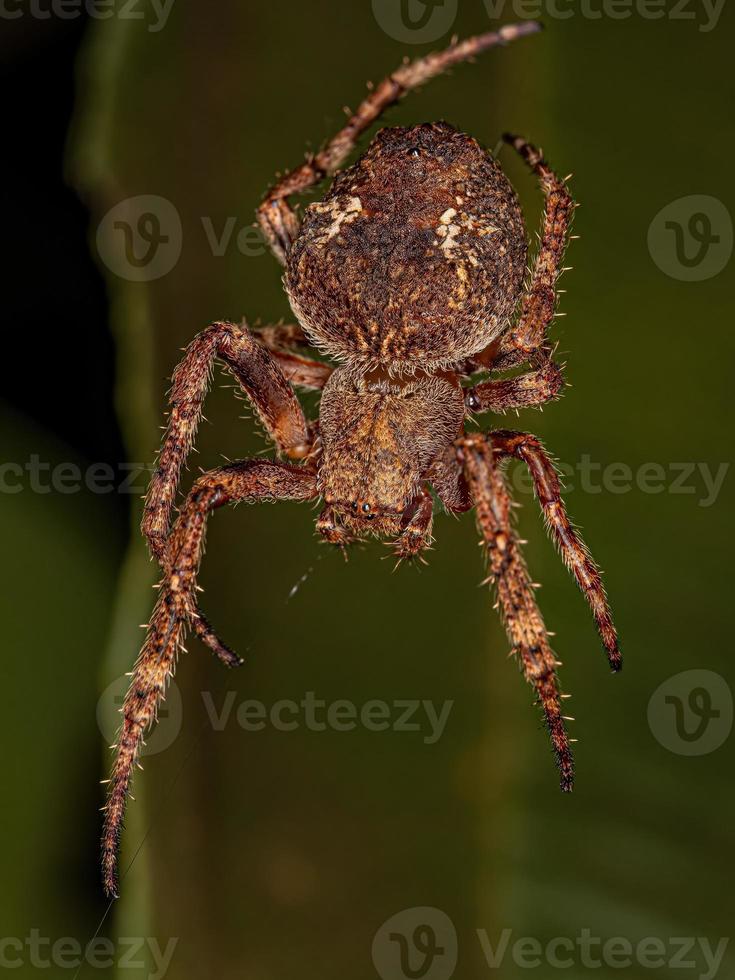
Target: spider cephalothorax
[(379, 437), (410, 274)]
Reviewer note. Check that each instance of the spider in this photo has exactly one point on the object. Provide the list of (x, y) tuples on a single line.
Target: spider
[(407, 275)]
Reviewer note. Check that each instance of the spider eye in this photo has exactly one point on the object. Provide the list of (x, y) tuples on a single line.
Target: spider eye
[(414, 152), (473, 402)]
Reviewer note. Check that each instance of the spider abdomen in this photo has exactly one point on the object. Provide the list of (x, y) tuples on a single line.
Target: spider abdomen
[(415, 256)]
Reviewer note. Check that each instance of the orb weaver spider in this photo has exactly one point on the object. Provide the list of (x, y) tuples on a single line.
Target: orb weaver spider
[(409, 276)]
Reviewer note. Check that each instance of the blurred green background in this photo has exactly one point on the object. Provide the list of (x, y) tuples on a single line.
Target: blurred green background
[(268, 854)]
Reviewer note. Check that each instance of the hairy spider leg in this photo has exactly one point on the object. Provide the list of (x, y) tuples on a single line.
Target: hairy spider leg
[(524, 391), (280, 339), (261, 379), (573, 550), (539, 302), (175, 610), (519, 610)]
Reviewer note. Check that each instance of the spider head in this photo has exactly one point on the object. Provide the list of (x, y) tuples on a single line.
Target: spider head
[(379, 436)]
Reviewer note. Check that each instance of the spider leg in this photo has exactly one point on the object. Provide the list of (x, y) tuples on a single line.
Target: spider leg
[(539, 302), (175, 611), (205, 631), (416, 534), (331, 529), (275, 215), (449, 483), (573, 549), (522, 618), (282, 336), (261, 379), (524, 391), (302, 371)]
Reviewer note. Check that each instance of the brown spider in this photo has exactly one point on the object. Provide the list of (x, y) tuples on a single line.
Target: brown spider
[(407, 274)]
